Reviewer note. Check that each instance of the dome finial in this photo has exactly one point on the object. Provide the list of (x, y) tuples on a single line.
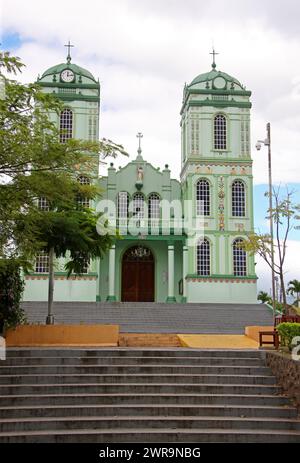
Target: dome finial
[(214, 53), (69, 46)]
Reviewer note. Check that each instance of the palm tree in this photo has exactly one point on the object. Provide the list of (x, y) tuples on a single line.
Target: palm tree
[(294, 288), (263, 297)]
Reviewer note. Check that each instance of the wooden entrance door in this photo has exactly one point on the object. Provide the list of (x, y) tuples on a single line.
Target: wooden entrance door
[(138, 275)]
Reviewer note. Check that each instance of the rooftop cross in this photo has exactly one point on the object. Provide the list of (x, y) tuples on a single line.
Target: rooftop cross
[(214, 53), (69, 46), (139, 136)]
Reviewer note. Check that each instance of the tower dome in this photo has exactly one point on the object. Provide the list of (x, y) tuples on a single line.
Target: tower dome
[(67, 73), (77, 70), (218, 79)]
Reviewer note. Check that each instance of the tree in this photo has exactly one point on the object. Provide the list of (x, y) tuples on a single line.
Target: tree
[(33, 162), (71, 233), (294, 289), (33, 165), (285, 215), (11, 290), (263, 297)]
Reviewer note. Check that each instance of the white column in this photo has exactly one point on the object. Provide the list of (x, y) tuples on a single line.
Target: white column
[(111, 275), (171, 297), (184, 272)]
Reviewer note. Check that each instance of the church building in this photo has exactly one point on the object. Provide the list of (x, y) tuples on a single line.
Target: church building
[(180, 240)]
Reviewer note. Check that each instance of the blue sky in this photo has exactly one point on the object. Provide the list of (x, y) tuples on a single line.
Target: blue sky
[(261, 205), (10, 41)]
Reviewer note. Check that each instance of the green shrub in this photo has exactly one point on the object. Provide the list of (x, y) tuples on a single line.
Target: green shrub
[(287, 332), (11, 290)]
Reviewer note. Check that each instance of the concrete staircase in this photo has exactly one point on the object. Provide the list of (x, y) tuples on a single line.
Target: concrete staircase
[(148, 317), (142, 395)]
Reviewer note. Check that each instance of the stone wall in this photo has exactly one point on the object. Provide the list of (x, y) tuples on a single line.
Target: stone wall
[(287, 372)]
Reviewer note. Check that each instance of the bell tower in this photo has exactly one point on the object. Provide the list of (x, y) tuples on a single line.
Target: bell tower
[(79, 91), (216, 178)]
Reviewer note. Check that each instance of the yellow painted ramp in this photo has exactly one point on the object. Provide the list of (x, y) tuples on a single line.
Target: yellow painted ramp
[(218, 341)]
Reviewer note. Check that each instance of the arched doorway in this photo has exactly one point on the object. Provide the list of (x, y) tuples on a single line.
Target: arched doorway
[(138, 275)]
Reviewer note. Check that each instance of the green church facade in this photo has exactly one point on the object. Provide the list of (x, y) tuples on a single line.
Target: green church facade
[(180, 241)]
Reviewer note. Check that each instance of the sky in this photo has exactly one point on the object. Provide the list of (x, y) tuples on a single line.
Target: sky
[(143, 52)]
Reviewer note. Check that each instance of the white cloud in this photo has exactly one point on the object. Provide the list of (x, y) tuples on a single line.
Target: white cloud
[(143, 51)]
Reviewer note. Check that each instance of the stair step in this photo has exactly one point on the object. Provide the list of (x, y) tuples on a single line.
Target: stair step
[(153, 435), (144, 398), (161, 422), (138, 388), (175, 378), (154, 409), (145, 352), (105, 361)]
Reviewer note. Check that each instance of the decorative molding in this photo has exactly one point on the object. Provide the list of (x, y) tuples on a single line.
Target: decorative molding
[(221, 195), (61, 277), (225, 279)]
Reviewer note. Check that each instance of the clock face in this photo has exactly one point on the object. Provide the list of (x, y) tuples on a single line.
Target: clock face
[(219, 82), (67, 75)]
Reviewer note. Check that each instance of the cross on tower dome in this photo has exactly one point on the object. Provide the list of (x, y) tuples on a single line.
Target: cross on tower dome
[(214, 53), (139, 136), (69, 46)]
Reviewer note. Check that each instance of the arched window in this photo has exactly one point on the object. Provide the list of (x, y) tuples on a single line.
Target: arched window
[(66, 125), (238, 199), (42, 263), (123, 204), (203, 197), (43, 204), (239, 258), (203, 257), (220, 133), (83, 201), (154, 206), (138, 205)]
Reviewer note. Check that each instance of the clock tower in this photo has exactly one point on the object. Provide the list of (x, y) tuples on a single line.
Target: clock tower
[(79, 91)]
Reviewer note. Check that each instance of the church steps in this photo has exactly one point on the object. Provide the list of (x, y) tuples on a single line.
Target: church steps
[(154, 436), (155, 409), (157, 317), (136, 378), (136, 422), (142, 395)]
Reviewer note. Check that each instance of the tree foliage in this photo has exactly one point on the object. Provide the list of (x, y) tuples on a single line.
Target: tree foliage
[(294, 289), (285, 215), (34, 164), (11, 290), (264, 297)]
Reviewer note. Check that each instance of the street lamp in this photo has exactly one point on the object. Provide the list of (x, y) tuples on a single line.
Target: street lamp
[(267, 142)]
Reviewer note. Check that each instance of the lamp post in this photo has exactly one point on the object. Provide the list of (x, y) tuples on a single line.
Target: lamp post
[(267, 142)]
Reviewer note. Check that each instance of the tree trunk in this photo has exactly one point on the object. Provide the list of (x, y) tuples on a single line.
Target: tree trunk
[(283, 292), (50, 316)]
